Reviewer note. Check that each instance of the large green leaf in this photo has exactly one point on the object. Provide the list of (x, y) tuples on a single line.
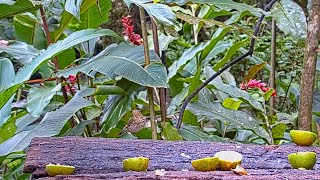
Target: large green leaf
[(231, 51), (290, 19), (194, 133), (73, 7), (7, 146), (214, 111), (39, 98), (92, 18), (73, 39), (233, 91), (7, 130), (227, 5), (117, 106), (125, 61), (28, 29), (160, 12), (67, 18), (52, 123), (20, 51), (170, 133), (6, 77), (9, 8), (185, 57)]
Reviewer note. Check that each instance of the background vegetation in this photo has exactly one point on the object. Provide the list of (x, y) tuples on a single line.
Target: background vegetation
[(74, 68)]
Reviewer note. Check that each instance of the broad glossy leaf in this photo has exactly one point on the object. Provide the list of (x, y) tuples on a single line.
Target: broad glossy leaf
[(21, 51), (6, 77), (232, 103), (28, 29), (185, 57), (160, 12), (53, 122), (231, 51), (79, 128), (39, 98), (9, 8), (214, 111), (108, 89), (227, 5), (7, 130), (290, 19), (66, 17), (117, 106), (177, 100), (7, 146), (216, 37), (194, 133), (125, 61), (24, 121), (233, 91), (170, 133), (73, 7), (73, 39), (92, 18)]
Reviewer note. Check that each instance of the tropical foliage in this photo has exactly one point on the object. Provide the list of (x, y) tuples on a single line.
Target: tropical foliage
[(54, 81)]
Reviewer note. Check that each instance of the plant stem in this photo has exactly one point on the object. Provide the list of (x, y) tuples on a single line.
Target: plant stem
[(147, 62), (194, 26), (243, 56), (273, 66), (47, 33), (162, 91), (267, 123)]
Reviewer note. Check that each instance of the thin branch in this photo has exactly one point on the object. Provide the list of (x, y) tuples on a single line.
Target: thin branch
[(47, 33), (162, 91), (250, 52), (273, 66), (147, 62)]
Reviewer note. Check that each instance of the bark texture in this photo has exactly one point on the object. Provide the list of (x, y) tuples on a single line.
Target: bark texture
[(101, 158), (190, 175), (309, 70)]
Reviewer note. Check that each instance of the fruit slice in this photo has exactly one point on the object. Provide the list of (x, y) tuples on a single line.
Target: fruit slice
[(228, 159), (136, 164), (205, 164), (302, 160), (58, 169), (303, 138)]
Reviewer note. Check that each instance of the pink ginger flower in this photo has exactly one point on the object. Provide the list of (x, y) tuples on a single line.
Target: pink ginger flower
[(253, 83)]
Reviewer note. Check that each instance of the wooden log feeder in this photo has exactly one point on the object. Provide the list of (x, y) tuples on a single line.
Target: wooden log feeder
[(101, 158)]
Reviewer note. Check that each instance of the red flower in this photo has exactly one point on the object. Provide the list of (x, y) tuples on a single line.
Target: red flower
[(253, 83), (72, 79), (129, 31)]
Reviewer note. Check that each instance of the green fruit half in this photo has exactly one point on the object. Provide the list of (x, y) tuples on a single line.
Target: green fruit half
[(303, 138), (228, 159), (305, 160), (136, 164), (57, 169), (205, 164)]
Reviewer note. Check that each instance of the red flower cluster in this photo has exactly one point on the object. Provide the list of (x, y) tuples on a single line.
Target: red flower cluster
[(253, 83), (72, 80), (129, 31)]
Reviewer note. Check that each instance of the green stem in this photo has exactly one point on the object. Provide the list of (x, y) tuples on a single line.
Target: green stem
[(147, 62)]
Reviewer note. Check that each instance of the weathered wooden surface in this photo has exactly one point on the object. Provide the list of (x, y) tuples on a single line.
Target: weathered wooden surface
[(254, 175), (103, 157)]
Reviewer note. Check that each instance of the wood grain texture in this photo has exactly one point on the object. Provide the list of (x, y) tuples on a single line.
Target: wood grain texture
[(101, 158)]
